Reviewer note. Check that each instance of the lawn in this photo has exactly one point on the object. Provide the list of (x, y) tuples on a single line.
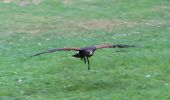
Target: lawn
[(31, 26)]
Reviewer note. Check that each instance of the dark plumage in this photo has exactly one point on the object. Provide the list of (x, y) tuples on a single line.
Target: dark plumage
[(85, 52)]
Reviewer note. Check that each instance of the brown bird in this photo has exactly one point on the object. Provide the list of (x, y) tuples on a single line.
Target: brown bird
[(85, 52)]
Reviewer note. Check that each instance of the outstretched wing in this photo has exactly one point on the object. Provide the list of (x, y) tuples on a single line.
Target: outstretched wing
[(114, 46), (57, 49)]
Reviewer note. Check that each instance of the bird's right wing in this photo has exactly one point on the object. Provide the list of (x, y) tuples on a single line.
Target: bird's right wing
[(57, 49)]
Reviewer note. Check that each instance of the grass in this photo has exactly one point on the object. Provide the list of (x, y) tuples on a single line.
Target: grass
[(131, 74)]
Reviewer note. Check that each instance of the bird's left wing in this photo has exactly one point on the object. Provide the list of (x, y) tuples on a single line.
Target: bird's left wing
[(57, 49), (114, 46)]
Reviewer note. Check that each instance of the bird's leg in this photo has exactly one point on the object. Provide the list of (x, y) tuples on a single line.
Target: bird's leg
[(84, 59), (88, 63)]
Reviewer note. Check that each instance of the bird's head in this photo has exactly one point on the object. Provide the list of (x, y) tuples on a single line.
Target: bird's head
[(89, 51)]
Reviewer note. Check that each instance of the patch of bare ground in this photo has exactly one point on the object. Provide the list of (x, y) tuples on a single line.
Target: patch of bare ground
[(36, 1), (100, 24), (67, 1), (7, 1), (28, 2), (24, 2)]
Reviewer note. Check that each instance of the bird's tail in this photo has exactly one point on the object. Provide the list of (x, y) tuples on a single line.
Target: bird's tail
[(77, 55)]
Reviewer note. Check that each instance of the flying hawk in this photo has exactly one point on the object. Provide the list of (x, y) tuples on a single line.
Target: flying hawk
[(85, 53)]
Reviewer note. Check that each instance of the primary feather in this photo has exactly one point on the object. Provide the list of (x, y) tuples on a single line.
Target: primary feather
[(57, 49)]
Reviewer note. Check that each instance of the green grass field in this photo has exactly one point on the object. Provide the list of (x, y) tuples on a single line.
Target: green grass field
[(31, 26)]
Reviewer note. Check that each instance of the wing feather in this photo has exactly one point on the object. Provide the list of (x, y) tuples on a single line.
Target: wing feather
[(57, 49), (114, 46)]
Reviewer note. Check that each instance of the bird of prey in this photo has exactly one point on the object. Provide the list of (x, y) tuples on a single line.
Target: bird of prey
[(85, 53)]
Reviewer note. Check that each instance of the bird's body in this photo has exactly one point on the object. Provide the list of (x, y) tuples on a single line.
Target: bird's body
[(85, 52)]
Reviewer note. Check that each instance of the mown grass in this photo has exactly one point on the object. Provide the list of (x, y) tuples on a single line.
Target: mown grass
[(141, 73)]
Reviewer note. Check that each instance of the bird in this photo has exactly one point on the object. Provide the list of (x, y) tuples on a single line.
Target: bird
[(84, 53)]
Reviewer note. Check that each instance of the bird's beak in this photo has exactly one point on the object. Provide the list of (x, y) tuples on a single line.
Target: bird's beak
[(91, 53)]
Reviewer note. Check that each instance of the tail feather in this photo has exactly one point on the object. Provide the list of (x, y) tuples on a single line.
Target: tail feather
[(77, 55)]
